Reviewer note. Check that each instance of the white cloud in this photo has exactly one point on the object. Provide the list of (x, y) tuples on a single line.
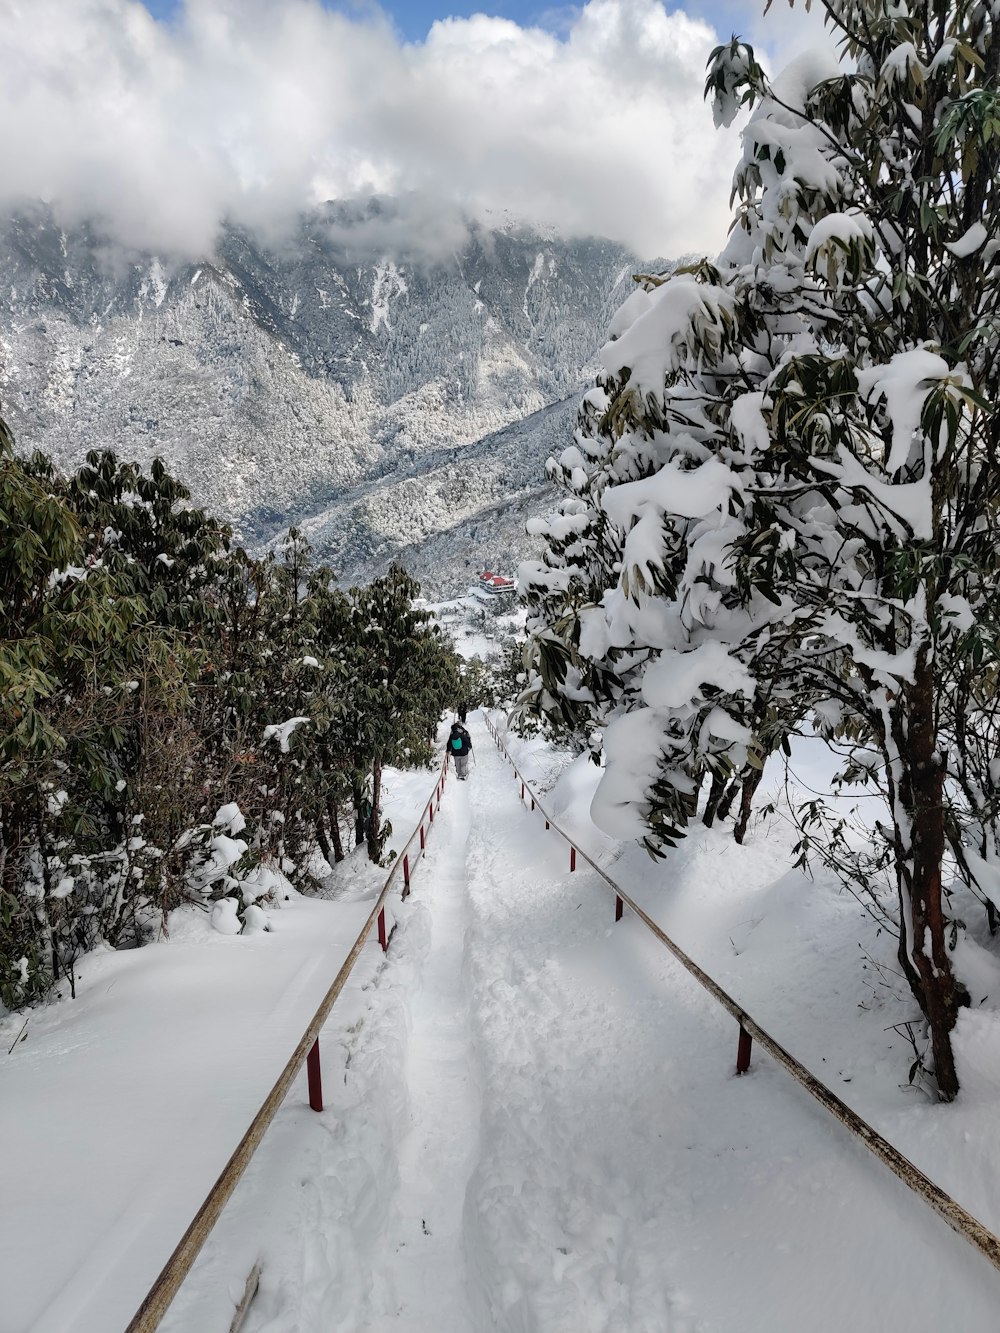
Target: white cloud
[(253, 109)]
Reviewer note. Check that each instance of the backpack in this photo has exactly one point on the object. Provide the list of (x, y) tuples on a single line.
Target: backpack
[(456, 742)]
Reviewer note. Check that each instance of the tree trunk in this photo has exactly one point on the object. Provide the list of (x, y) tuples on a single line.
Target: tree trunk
[(333, 814), (360, 825), (714, 797), (375, 819), (923, 953), (751, 781), (728, 797), (324, 842)]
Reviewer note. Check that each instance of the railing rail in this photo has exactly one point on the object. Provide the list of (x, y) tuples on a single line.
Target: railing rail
[(157, 1300), (957, 1217)]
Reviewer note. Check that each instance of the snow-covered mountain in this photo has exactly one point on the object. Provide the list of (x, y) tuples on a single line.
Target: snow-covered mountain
[(398, 403)]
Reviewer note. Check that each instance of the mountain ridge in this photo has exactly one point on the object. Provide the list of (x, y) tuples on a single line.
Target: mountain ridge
[(309, 382)]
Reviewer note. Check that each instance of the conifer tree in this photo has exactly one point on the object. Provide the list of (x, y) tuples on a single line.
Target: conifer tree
[(400, 675), (160, 687), (91, 689), (783, 497)]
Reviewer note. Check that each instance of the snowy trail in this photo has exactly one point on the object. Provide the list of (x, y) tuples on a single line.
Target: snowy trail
[(569, 1207), (421, 1261), (537, 1130), (532, 1123), (627, 1182)]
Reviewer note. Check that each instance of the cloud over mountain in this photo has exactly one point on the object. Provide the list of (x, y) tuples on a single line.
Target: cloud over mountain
[(253, 110)]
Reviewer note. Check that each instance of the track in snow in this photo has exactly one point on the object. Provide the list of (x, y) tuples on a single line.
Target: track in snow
[(625, 1181), (420, 1266), (537, 1130)]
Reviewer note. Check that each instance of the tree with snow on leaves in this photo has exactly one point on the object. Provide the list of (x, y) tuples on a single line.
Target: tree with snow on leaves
[(782, 501)]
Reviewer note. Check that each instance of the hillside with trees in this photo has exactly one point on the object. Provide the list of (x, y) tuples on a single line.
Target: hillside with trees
[(340, 379), (181, 719)]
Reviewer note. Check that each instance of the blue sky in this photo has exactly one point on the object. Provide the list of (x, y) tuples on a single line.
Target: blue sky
[(413, 18)]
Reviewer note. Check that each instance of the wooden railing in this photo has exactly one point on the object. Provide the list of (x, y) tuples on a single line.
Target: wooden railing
[(953, 1213), (164, 1289)]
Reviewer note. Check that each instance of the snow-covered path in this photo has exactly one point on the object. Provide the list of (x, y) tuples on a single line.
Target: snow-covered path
[(421, 1259), (532, 1124), (622, 1180), (566, 1211)]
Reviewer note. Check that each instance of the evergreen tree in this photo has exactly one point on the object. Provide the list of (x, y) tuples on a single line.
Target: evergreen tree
[(91, 689), (161, 692), (400, 674), (783, 495)]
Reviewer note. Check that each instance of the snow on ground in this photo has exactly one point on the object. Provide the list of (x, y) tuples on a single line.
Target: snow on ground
[(478, 626), (126, 1104), (119, 1109), (759, 1211), (532, 1123), (539, 1131)]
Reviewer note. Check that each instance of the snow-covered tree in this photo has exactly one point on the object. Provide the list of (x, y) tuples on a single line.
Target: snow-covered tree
[(397, 675), (782, 500), (162, 691)]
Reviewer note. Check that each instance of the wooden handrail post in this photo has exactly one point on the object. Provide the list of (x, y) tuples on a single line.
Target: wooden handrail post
[(315, 1077), (422, 842), (406, 875), (619, 908), (382, 938), (743, 1051), (572, 857)]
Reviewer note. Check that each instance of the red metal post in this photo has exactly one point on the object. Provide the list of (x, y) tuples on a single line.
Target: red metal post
[(431, 808), (546, 823), (572, 858), (422, 843), (619, 908), (532, 802), (406, 875), (743, 1051), (381, 931), (522, 791), (315, 1077)]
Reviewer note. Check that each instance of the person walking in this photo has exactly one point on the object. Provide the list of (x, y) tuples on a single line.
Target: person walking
[(460, 747)]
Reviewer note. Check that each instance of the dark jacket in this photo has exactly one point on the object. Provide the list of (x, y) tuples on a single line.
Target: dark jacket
[(458, 733)]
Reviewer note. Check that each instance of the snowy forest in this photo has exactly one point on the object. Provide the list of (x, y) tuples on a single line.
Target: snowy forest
[(153, 675), (318, 383)]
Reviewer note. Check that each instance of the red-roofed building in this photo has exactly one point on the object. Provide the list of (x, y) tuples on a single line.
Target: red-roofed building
[(496, 584)]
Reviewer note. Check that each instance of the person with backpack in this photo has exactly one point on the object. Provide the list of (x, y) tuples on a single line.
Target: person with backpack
[(460, 747)]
